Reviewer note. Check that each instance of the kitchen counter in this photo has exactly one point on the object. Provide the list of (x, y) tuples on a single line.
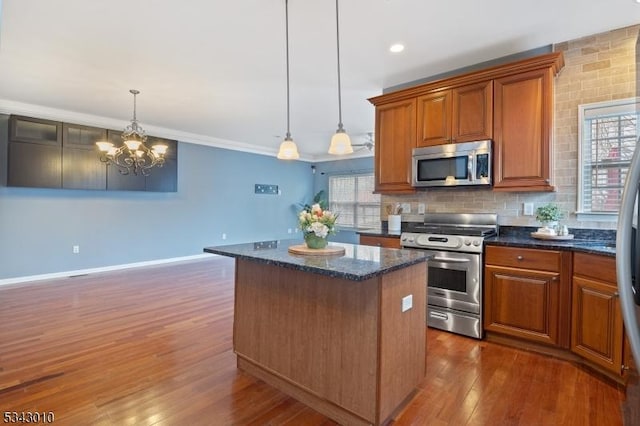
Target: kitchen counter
[(359, 262), (585, 240), (326, 329)]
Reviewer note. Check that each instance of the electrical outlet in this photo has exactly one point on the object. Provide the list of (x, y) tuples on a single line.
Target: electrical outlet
[(289, 231), (75, 249), (527, 209), (406, 208), (407, 303), (224, 236), (421, 208)]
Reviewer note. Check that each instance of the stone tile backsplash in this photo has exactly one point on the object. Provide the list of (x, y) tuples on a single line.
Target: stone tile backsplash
[(597, 68)]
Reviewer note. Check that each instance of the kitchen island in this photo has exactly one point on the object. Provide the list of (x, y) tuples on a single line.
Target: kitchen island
[(344, 334)]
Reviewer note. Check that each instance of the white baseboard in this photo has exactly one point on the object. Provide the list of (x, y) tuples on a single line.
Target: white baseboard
[(19, 280)]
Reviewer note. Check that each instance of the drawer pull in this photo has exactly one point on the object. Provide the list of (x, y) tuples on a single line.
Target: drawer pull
[(616, 294), (519, 257)]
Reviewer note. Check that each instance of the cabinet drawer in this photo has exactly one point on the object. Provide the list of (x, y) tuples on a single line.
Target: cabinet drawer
[(387, 242), (594, 266), (516, 257)]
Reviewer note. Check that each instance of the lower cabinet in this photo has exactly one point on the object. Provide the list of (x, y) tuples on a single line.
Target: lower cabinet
[(387, 242), (525, 291), (597, 333), (568, 302)]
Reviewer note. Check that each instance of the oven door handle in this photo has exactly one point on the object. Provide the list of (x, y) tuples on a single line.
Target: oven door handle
[(449, 260)]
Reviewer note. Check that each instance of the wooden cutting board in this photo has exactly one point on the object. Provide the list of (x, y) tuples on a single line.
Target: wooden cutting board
[(303, 249)]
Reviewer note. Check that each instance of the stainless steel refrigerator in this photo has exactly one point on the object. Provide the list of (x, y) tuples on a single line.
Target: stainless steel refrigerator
[(628, 243)]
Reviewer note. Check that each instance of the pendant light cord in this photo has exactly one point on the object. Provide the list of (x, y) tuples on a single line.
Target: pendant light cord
[(339, 88), (286, 4)]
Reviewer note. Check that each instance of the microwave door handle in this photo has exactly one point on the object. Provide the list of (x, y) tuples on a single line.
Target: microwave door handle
[(470, 168)]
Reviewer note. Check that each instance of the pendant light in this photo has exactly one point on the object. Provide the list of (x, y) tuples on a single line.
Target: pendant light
[(340, 142), (288, 149)]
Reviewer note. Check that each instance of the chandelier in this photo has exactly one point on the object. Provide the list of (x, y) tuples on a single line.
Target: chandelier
[(133, 156)]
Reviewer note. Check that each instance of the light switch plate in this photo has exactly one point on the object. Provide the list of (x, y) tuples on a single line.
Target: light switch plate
[(407, 303), (261, 188), (406, 208), (421, 208)]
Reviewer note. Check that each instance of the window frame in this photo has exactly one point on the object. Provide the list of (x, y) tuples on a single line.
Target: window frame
[(356, 204), (626, 105)]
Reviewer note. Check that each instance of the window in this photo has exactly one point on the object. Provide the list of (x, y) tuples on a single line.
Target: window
[(352, 197), (608, 136)]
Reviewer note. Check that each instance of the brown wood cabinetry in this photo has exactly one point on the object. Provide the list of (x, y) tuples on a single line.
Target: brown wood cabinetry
[(525, 290), (597, 327), (522, 130), (387, 242), (512, 104), (35, 153), (461, 114), (395, 138)]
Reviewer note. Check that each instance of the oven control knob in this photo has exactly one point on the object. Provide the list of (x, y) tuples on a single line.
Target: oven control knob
[(467, 242), (476, 243)]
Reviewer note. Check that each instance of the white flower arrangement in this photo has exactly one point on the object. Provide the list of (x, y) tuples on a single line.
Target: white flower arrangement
[(317, 221)]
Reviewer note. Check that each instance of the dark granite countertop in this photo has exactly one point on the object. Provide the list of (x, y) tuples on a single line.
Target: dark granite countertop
[(593, 241), (585, 240), (359, 262)]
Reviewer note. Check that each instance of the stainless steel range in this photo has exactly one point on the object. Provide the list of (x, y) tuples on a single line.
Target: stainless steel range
[(454, 278)]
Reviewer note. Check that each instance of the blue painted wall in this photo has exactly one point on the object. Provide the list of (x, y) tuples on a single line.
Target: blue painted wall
[(340, 167), (38, 227)]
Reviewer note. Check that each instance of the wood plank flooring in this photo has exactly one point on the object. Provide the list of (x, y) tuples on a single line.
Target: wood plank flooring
[(153, 346)]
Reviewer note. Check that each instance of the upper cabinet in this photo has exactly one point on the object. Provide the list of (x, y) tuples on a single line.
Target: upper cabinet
[(511, 104), (35, 153), (80, 170), (51, 154), (395, 138), (461, 114), (522, 129)]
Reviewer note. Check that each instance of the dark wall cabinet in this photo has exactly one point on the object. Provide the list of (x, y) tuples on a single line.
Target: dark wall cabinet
[(50, 154), (35, 153)]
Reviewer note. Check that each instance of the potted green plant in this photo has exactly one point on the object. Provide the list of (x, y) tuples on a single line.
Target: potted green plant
[(547, 215)]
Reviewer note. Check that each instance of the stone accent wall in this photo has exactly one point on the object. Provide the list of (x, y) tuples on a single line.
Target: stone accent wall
[(597, 68)]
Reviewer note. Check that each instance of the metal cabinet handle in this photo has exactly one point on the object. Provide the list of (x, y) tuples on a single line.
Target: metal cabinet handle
[(554, 278), (520, 257)]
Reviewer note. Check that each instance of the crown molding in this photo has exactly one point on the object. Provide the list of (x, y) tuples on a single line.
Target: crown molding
[(31, 110)]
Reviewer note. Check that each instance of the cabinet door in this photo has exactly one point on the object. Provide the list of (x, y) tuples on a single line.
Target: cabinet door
[(434, 118), (165, 178), (395, 138), (117, 181), (596, 332), (522, 303), (34, 153), (522, 130), (472, 116), (387, 242), (81, 165)]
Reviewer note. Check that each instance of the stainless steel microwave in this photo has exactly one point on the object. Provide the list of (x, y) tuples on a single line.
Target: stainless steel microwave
[(454, 164)]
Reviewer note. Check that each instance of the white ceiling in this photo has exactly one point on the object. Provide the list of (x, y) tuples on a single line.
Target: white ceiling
[(215, 70)]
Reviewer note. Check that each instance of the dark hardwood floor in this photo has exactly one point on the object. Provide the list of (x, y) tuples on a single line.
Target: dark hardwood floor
[(153, 346)]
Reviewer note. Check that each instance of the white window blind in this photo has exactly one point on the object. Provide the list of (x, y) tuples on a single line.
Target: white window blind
[(352, 197), (607, 141)]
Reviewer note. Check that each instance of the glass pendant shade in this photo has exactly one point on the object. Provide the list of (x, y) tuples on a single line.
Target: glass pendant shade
[(340, 144), (288, 150)]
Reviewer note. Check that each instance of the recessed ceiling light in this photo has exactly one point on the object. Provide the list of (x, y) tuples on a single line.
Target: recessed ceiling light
[(397, 48)]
